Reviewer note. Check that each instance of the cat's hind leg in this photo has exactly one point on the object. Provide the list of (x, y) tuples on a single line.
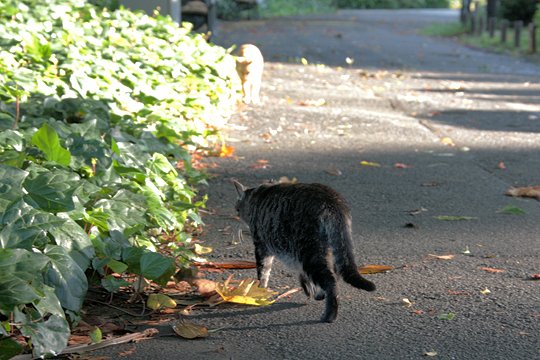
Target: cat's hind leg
[(325, 279), (264, 265)]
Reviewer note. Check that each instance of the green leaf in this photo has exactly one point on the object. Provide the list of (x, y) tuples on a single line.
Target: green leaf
[(51, 191), (95, 335), (117, 266), (71, 236), (67, 278), (127, 211), (49, 303), (26, 227), (46, 139), (160, 301), (49, 337), (112, 284), (157, 267), (9, 348), (513, 210), (447, 316), (11, 180)]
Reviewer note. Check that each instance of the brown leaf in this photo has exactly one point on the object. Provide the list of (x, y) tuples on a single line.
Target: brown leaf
[(402, 166), (528, 191), (534, 277), (442, 257), (374, 269), (128, 352), (205, 287), (79, 340), (492, 270), (189, 330), (260, 164)]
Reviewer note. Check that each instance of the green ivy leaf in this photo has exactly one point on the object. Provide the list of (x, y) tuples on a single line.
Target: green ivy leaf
[(157, 267), (67, 278), (9, 348), (26, 227), (112, 284), (46, 139), (51, 190), (49, 337), (11, 180)]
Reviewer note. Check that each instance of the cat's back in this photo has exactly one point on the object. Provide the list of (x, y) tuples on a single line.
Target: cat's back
[(301, 197)]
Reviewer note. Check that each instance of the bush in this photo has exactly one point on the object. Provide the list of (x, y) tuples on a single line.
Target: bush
[(514, 10), (99, 111), (392, 4)]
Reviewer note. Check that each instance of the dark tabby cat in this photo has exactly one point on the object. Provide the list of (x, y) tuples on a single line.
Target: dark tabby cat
[(307, 226)]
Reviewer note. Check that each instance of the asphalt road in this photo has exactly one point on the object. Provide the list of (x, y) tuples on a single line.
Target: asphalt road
[(451, 128)]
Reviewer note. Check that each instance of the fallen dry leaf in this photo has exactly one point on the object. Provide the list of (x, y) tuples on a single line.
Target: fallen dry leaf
[(492, 270), (260, 164), (402, 166), (317, 102), (369, 163), (128, 352), (189, 330), (333, 171), (247, 292), (528, 191), (485, 291), (205, 287), (79, 340), (226, 151), (406, 302), (202, 250), (501, 165), (430, 353), (534, 277), (374, 269), (447, 141), (442, 257)]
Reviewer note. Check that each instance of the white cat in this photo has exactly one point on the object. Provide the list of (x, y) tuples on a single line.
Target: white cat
[(249, 65)]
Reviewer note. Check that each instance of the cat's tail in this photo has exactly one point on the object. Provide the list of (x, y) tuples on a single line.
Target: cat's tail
[(341, 242)]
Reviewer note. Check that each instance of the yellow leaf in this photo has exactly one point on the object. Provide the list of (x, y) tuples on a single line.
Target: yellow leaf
[(159, 301), (247, 292), (201, 250), (304, 61), (430, 353), (406, 302), (447, 141), (442, 257), (373, 269), (486, 291), (189, 330), (369, 163)]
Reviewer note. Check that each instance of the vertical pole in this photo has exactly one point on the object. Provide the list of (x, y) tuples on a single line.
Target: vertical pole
[(504, 29), (175, 7), (491, 27), (518, 26), (532, 37)]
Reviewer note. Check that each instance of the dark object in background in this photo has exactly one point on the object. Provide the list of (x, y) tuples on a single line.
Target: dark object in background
[(199, 13)]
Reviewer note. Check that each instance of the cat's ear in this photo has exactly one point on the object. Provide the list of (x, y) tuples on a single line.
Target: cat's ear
[(239, 188)]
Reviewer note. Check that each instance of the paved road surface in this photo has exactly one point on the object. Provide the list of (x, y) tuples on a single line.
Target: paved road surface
[(466, 124)]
